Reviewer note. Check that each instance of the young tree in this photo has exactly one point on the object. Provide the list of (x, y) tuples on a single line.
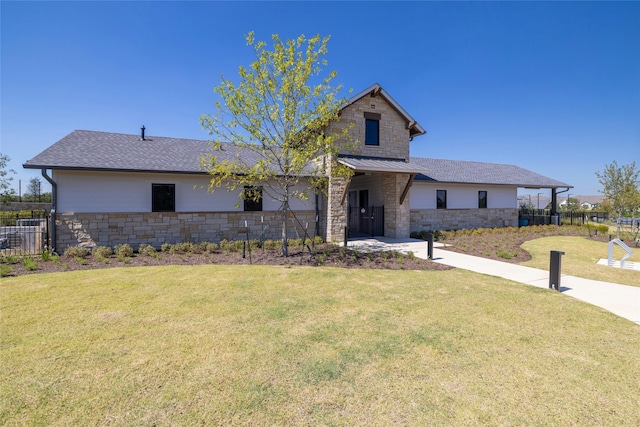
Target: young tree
[(33, 190), (276, 117), (6, 192), (620, 185)]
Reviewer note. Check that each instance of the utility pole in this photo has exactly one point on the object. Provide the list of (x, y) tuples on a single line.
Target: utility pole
[(539, 200)]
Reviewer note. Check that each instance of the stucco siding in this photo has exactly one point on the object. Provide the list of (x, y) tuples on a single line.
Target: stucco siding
[(423, 196), (84, 192)]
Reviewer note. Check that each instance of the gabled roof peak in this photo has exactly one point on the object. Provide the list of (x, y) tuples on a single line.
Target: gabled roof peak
[(377, 90)]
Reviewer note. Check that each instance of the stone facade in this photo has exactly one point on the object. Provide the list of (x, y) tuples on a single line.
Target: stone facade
[(454, 219), (396, 215), (156, 228), (394, 132), (336, 209)]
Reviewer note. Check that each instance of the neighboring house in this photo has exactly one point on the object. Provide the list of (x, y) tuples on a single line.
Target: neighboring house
[(113, 188), (586, 202)]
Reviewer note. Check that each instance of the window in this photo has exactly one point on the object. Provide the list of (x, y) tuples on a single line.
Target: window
[(163, 197), (441, 199), (252, 198), (482, 199), (372, 128)]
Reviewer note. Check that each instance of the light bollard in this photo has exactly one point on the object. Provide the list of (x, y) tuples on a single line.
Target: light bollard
[(555, 267), (430, 245)]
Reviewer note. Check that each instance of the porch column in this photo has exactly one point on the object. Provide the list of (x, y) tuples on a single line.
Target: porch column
[(336, 209), (396, 215)]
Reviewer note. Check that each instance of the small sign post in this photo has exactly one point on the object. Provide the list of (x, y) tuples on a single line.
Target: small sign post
[(555, 267)]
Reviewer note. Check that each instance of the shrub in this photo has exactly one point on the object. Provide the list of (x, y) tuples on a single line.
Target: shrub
[(166, 247), (272, 244), (30, 264), (504, 254), (182, 248), (102, 253), (77, 252), (47, 255), (147, 250), (5, 270), (9, 259), (207, 247), (123, 252), (294, 243)]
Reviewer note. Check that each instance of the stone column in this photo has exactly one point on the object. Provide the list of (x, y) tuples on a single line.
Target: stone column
[(396, 215), (336, 209)]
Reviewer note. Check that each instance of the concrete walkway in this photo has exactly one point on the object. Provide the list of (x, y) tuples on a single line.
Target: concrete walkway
[(621, 300)]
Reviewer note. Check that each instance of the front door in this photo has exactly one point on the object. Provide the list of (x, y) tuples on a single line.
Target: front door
[(364, 214), (359, 213)]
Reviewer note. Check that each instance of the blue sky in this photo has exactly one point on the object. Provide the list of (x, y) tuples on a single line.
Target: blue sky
[(553, 87)]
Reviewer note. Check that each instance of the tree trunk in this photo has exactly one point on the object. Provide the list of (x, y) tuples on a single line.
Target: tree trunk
[(285, 245)]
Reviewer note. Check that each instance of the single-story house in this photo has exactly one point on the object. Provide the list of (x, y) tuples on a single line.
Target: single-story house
[(111, 188)]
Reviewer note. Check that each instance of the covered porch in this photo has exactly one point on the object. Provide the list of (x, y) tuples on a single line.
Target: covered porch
[(373, 202)]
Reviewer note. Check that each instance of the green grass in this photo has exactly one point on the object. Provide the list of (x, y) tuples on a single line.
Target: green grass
[(258, 345), (580, 258)]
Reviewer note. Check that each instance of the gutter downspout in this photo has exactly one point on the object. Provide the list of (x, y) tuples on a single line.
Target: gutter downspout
[(54, 208), (554, 201)]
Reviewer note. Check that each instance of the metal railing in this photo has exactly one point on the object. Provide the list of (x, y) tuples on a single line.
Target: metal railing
[(24, 233)]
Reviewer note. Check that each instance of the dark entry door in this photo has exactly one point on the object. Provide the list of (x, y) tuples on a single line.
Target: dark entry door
[(365, 215)]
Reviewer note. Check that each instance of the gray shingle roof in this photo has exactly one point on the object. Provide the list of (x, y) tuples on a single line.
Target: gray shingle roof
[(91, 150), (465, 172)]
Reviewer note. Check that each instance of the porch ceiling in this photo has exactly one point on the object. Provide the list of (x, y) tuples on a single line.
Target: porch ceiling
[(377, 165)]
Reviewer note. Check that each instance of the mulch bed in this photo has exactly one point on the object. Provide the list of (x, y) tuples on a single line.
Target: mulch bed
[(325, 255)]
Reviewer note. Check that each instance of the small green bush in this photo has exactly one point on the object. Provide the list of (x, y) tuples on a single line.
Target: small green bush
[(9, 259), (147, 250), (123, 251), (207, 247), (182, 248), (102, 253), (5, 270), (77, 252), (49, 256), (166, 247), (29, 264), (504, 254)]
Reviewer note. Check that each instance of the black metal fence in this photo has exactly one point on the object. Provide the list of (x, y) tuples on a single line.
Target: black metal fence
[(24, 232), (544, 217)]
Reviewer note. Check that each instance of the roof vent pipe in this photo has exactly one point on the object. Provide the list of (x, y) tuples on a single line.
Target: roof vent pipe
[(142, 133)]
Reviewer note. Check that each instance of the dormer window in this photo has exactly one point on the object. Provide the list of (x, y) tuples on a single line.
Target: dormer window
[(372, 128)]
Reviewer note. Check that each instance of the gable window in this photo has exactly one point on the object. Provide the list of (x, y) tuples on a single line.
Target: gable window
[(252, 199), (441, 199), (163, 197), (482, 199), (372, 128)]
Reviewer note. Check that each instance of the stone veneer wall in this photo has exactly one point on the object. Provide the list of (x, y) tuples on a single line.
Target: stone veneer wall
[(394, 134), (336, 218), (396, 215), (454, 219), (156, 228)]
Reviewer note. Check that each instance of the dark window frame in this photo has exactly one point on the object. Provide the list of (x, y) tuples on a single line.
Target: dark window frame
[(251, 205), (163, 200), (371, 132), (441, 199), (482, 201)]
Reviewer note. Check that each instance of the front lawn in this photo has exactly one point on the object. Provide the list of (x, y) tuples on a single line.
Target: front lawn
[(265, 345), (580, 258)]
